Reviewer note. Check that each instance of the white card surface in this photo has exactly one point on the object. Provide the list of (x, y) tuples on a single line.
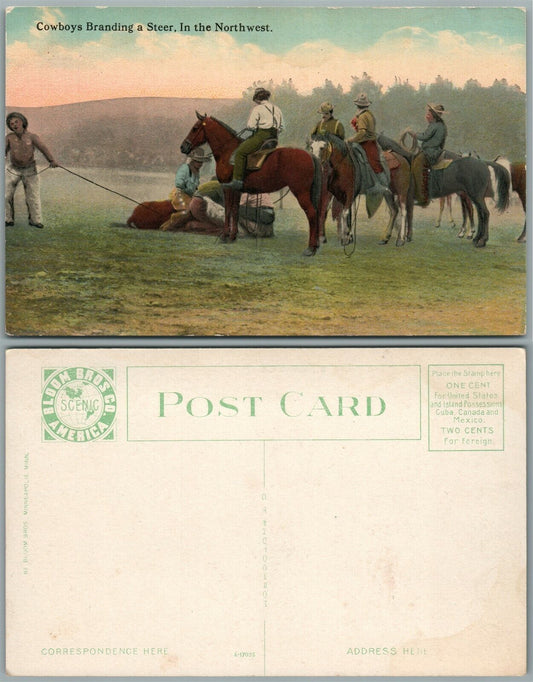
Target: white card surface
[(211, 512)]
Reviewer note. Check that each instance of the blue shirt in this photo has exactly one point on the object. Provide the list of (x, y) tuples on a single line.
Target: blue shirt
[(186, 179)]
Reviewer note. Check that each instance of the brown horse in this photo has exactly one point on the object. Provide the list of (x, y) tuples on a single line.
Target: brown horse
[(283, 167), (402, 190), (344, 183), (518, 184)]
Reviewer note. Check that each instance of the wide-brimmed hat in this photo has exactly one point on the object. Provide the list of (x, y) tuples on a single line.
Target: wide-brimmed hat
[(261, 93), (17, 114), (199, 155), (437, 109), (325, 108), (362, 101)]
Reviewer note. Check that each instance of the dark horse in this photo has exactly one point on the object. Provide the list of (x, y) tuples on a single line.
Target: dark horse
[(471, 176), (283, 167)]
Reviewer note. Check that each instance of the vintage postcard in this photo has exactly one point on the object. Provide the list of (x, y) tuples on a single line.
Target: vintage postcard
[(273, 171), (266, 512)]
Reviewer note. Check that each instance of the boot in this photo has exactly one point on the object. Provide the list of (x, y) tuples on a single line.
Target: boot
[(380, 183), (235, 185)]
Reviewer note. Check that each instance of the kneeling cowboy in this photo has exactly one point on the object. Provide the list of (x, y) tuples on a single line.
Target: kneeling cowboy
[(266, 120), (433, 139), (375, 179)]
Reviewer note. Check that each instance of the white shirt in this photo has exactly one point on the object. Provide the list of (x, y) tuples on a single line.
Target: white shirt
[(265, 116)]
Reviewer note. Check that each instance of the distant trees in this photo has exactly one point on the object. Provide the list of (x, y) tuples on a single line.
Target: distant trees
[(488, 120)]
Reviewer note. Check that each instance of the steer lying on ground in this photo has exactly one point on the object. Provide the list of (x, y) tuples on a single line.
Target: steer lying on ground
[(150, 215)]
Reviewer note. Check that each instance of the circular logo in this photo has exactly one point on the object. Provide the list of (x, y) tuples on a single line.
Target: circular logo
[(78, 404)]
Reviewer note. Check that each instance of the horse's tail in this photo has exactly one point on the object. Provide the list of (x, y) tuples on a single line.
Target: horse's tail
[(504, 185)]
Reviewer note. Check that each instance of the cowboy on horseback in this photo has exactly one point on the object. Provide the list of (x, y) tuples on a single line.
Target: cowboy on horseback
[(266, 121), (364, 143), (328, 123), (433, 139)]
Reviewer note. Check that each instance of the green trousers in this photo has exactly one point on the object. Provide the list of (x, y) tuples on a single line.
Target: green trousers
[(250, 145)]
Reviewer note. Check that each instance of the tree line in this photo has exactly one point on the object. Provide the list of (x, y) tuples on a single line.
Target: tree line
[(487, 121)]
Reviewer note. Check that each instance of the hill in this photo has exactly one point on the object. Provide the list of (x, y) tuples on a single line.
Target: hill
[(139, 132)]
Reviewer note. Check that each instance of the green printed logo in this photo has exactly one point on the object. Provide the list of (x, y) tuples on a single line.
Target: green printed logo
[(78, 404)]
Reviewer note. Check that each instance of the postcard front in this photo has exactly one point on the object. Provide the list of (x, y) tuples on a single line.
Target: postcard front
[(266, 512), (275, 171)]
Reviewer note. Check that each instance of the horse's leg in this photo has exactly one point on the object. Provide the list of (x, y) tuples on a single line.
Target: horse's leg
[(326, 205), (348, 218), (390, 200), (441, 210), (469, 209), (231, 200), (336, 215), (409, 209), (522, 195), (462, 231), (314, 218), (234, 226), (402, 230), (326, 202), (482, 234), (449, 199)]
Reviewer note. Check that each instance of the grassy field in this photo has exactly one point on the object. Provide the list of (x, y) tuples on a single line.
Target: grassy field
[(81, 277)]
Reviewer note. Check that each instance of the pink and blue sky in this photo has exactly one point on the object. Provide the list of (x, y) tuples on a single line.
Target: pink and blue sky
[(49, 66)]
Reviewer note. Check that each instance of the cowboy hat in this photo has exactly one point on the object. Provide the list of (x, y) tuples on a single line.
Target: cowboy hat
[(362, 101), (437, 109), (16, 114), (261, 93), (199, 155), (325, 108)]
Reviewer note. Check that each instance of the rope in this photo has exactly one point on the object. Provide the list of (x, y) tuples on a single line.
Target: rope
[(347, 253), (414, 143), (282, 196), (101, 186)]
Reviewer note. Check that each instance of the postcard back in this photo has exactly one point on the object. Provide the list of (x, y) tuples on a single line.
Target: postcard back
[(269, 512)]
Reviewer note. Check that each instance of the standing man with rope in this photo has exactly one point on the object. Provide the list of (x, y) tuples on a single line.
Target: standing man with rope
[(21, 146)]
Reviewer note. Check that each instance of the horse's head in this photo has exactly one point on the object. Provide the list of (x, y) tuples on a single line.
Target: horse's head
[(320, 147), (196, 135)]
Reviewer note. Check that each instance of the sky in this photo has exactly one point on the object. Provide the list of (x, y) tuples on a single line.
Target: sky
[(60, 55)]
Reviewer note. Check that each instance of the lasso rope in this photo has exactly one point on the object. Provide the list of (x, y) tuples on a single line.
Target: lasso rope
[(350, 253), (414, 142), (101, 186)]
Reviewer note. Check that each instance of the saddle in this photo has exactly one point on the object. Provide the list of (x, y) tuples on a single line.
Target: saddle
[(442, 162), (391, 159), (256, 159)]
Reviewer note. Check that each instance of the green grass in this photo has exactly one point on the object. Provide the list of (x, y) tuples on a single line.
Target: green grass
[(80, 276)]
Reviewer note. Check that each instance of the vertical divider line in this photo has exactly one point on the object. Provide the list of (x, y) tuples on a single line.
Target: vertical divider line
[(264, 618)]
